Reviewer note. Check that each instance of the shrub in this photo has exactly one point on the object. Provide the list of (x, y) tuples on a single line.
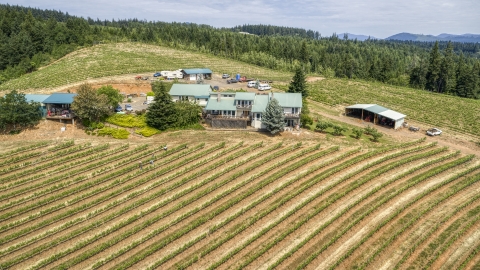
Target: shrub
[(376, 135), (357, 133), (369, 130), (337, 130), (147, 131), (117, 133), (127, 120), (322, 126)]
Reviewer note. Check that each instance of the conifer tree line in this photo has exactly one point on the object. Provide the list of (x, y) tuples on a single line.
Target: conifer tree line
[(30, 38)]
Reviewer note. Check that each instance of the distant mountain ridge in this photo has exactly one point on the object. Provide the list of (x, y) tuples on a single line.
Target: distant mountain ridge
[(442, 37), (357, 37)]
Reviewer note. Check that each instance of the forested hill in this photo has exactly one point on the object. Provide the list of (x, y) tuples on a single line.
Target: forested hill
[(29, 40), (271, 30)]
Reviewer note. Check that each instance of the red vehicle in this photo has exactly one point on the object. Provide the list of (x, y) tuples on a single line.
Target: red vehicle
[(138, 77), (245, 79)]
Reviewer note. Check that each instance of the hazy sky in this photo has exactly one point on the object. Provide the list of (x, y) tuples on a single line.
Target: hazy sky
[(377, 18)]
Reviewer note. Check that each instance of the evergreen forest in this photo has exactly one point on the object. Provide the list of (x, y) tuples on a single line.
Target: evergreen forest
[(31, 38)]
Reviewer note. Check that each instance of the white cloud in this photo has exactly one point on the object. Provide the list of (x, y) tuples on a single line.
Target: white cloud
[(369, 17)]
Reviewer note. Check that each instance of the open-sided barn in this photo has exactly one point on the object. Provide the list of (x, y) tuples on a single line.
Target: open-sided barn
[(376, 114)]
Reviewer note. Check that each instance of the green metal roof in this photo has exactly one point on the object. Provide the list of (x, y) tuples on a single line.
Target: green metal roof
[(35, 97), (60, 98), (196, 90), (360, 106), (288, 100), (260, 103), (222, 105), (197, 71), (376, 109), (244, 96)]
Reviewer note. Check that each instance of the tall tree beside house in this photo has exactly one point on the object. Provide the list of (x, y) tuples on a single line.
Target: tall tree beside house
[(273, 117), (89, 105), (433, 73), (162, 113), (16, 112), (298, 83), (113, 95)]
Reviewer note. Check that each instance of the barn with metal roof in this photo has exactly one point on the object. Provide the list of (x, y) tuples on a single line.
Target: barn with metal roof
[(194, 74), (377, 114)]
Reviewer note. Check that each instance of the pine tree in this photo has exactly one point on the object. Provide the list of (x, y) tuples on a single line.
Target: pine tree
[(304, 53), (298, 83), (447, 71), (433, 73), (161, 114), (273, 117)]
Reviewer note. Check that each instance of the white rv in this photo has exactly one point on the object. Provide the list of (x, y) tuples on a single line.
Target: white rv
[(172, 74)]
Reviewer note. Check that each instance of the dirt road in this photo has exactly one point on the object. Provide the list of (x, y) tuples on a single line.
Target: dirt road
[(454, 141)]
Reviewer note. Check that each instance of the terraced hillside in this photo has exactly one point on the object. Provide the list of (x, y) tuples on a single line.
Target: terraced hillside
[(241, 205), (130, 58), (455, 113)]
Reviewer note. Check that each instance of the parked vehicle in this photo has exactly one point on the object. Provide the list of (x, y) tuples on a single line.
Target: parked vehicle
[(413, 128), (158, 74), (128, 107), (245, 79), (264, 86), (232, 81), (138, 77), (118, 108), (225, 76), (251, 84), (434, 132)]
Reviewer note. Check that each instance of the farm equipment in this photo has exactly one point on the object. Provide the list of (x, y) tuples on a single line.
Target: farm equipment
[(413, 128)]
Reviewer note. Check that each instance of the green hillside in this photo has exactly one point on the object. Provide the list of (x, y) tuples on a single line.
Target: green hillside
[(445, 111), (130, 58), (455, 113)]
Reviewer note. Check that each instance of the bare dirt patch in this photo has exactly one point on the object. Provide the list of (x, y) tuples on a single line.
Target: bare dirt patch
[(314, 79), (453, 140)]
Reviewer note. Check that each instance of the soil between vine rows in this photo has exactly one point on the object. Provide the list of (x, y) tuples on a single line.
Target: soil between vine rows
[(140, 211), (423, 224)]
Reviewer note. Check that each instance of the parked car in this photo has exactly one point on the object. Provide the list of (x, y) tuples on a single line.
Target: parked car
[(251, 84), (232, 81), (434, 132), (225, 76), (128, 107), (118, 108), (158, 74), (264, 86)]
